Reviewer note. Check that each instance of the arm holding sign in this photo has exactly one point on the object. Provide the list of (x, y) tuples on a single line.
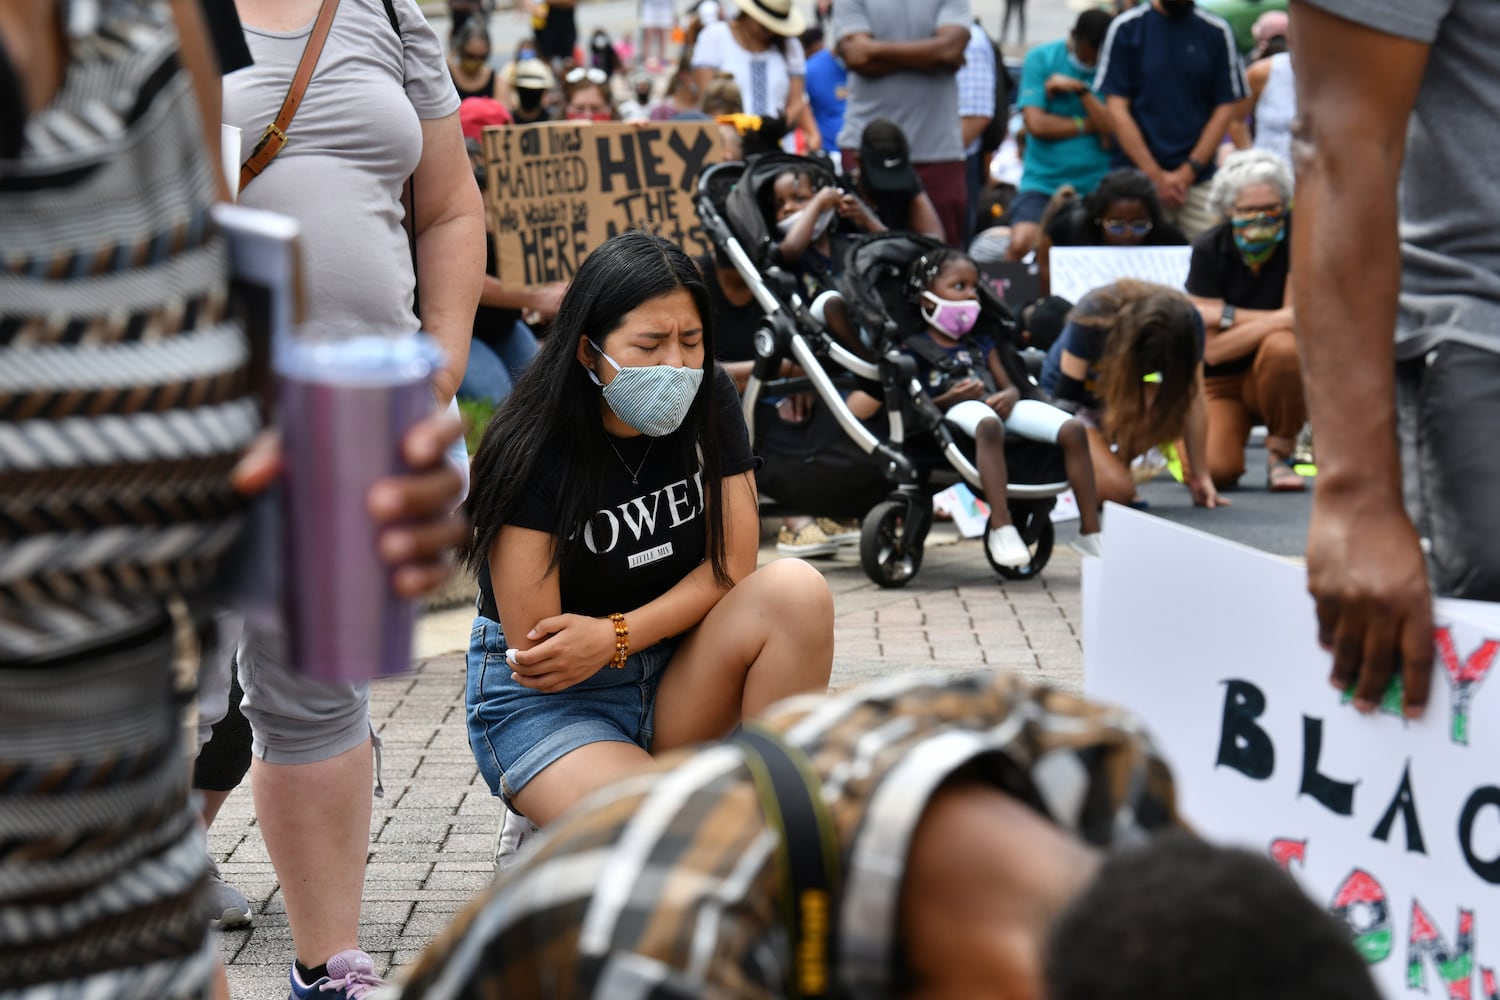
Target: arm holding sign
[(1356, 88), (450, 246)]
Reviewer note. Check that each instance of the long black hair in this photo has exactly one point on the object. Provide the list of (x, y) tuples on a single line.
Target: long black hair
[(1125, 184), (554, 408)]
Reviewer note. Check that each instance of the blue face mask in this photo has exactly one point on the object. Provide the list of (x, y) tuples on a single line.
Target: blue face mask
[(654, 399), (1080, 69)]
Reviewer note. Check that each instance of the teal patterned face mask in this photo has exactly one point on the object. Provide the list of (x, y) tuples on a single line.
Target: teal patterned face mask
[(654, 399), (1257, 236)]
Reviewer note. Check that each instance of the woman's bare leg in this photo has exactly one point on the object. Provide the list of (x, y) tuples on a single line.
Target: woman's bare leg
[(768, 638), (575, 775)]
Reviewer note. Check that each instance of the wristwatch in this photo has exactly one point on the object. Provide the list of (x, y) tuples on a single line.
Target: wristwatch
[(1226, 317), (1198, 168)]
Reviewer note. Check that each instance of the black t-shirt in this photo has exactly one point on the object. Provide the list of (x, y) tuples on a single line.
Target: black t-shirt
[(1218, 271), (645, 538), (1072, 227), (734, 326)]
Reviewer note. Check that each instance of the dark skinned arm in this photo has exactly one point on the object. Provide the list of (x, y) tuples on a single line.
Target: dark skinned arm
[(1355, 91), (942, 53)]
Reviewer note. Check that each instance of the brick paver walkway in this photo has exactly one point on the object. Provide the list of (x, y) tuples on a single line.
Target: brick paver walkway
[(432, 834)]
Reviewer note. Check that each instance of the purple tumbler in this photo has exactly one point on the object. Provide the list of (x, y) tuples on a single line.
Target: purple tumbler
[(345, 403)]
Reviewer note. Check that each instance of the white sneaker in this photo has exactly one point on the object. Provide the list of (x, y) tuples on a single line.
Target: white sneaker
[(1006, 547), (1089, 545), (516, 831)]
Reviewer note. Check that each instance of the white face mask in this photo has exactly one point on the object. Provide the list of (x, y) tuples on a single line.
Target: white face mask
[(819, 228), (654, 399)]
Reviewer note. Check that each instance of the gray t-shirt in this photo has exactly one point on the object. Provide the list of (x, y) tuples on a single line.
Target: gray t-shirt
[(351, 146), (1450, 203), (925, 105)]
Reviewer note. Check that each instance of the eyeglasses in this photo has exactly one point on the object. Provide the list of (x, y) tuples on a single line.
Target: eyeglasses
[(592, 74), (1122, 227), (1272, 211)]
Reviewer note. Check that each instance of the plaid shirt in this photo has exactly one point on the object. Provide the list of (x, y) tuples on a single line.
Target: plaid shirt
[(976, 81), (666, 885)]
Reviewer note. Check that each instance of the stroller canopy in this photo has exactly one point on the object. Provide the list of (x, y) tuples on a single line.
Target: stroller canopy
[(752, 199)]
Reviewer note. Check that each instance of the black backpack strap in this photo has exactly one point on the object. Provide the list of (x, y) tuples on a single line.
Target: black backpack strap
[(807, 856), (390, 12), (923, 347)]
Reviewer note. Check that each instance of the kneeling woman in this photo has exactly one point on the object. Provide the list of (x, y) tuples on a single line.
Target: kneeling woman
[(615, 541), (1129, 363)]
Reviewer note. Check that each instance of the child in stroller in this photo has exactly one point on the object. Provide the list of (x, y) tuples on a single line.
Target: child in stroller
[(962, 372)]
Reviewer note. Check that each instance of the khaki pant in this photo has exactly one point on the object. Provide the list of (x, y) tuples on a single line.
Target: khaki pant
[(1197, 215), (1269, 392)]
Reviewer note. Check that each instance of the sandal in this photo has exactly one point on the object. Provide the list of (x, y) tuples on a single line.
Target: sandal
[(1282, 478)]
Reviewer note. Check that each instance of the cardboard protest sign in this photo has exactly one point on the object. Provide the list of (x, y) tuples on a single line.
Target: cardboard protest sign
[(1394, 825), (557, 190), (1076, 271)]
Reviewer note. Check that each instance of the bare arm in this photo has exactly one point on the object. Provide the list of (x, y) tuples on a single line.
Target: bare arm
[(1048, 127), (972, 127), (1128, 134), (924, 217), (1251, 326), (1213, 133), (795, 243), (870, 56), (1257, 75), (1356, 88), (556, 649), (450, 247), (1195, 441)]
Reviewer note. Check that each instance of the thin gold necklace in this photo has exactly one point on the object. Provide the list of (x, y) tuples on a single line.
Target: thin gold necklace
[(635, 473)]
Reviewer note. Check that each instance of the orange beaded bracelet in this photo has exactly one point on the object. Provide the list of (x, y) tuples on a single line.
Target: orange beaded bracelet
[(622, 641)]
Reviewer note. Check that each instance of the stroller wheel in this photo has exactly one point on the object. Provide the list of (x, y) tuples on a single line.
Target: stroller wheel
[(890, 547), (1034, 522)]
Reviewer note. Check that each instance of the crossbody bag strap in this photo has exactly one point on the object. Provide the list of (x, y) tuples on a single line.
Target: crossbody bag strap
[(807, 856), (274, 137)]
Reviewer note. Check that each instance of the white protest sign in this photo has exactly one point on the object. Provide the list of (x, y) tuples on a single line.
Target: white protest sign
[(1076, 271), (1393, 825)]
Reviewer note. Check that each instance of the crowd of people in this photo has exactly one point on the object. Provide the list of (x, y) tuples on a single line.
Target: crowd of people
[(614, 682)]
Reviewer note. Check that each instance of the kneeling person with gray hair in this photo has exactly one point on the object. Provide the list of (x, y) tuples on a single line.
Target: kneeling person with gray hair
[(1238, 281)]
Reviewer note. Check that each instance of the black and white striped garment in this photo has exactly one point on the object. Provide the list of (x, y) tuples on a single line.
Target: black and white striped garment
[(124, 403)]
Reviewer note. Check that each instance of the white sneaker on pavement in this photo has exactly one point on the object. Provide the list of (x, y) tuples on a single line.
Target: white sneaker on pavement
[(1006, 547), (1089, 545), (516, 831)]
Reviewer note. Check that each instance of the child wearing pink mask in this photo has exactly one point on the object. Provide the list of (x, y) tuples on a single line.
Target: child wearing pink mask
[(966, 379)]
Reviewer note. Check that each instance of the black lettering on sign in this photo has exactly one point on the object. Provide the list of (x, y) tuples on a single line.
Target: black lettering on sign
[(651, 160), (1336, 796), (1405, 803), (624, 166), (1243, 745), (1489, 870), (694, 157), (552, 252)]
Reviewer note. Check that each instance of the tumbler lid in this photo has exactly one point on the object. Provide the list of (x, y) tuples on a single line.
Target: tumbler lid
[(356, 357)]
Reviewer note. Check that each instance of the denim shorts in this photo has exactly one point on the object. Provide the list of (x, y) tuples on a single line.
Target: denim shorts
[(515, 732)]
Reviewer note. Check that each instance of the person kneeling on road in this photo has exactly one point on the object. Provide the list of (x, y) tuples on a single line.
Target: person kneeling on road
[(616, 535)]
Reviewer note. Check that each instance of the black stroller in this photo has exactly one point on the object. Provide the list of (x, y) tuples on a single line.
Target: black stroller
[(892, 490)]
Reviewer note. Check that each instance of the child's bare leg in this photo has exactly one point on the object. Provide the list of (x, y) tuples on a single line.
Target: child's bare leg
[(1073, 438), (989, 439)]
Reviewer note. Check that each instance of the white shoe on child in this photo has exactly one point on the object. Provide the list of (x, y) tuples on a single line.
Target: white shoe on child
[(1006, 547), (1089, 545)]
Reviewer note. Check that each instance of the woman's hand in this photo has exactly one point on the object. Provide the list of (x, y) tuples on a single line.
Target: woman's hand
[(1004, 401), (569, 650), (414, 511), (1204, 493)]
